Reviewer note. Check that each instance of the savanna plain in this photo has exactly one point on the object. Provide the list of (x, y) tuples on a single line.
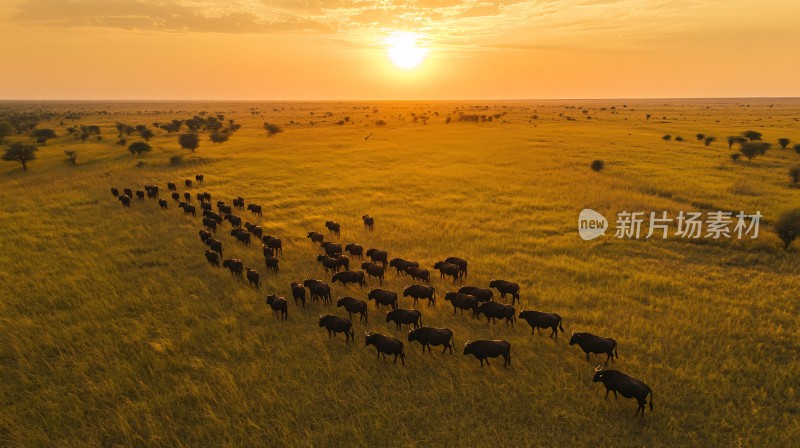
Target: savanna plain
[(117, 332)]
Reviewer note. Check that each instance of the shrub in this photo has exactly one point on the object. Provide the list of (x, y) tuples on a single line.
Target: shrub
[(138, 148), (176, 160), (735, 156), (666, 138), (735, 139), (597, 165), (380, 123), (708, 140), (219, 137), (679, 139), (72, 156), (794, 174), (788, 226), (751, 135), (273, 129), (784, 142), (797, 148), (754, 148), (700, 136)]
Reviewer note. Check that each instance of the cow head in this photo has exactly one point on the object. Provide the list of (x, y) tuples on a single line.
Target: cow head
[(599, 374), (322, 318), (575, 338), (466, 347), (411, 335)]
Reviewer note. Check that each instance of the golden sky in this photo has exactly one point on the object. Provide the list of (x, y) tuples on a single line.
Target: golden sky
[(317, 49)]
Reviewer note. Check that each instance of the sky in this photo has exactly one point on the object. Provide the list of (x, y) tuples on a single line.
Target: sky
[(329, 50)]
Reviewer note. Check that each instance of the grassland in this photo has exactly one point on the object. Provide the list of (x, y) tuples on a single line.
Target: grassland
[(116, 332)]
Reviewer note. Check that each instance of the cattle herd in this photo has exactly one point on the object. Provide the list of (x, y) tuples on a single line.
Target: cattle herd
[(475, 300)]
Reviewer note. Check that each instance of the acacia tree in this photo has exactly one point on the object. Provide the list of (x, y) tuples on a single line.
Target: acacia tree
[(709, 140), (146, 134), (700, 136), (189, 141), (735, 139), (753, 149), (751, 135), (5, 130), (666, 138), (784, 142), (788, 227), (794, 174), (21, 153), (273, 129), (139, 147), (72, 156)]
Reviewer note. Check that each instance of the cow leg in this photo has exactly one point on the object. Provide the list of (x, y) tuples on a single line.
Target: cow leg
[(395, 358), (607, 390), (481, 360), (587, 356), (615, 394)]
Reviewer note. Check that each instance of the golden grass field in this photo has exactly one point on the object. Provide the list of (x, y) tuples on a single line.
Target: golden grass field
[(116, 332)]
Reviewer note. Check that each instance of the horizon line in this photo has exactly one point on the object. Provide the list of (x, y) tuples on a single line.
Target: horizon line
[(161, 100)]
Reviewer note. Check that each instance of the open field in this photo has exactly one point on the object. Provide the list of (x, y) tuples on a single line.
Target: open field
[(116, 332)]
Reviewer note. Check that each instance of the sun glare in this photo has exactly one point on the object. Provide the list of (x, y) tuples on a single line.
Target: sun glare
[(403, 50)]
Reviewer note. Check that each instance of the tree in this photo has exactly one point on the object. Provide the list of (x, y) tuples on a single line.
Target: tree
[(735, 156), (679, 139), (139, 147), (735, 139), (797, 148), (43, 135), (788, 227), (21, 153), (794, 174), (189, 141), (5, 130), (751, 135), (219, 137), (709, 140), (784, 142), (597, 165), (146, 134), (752, 149), (273, 129), (72, 156), (666, 138), (700, 136)]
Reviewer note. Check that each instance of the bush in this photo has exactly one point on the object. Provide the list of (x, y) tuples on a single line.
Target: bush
[(708, 140), (700, 136), (751, 135), (219, 137), (679, 139), (597, 165), (380, 123), (735, 156), (72, 156), (735, 139), (176, 160), (794, 174), (754, 148), (273, 129), (797, 148), (788, 227), (666, 138), (784, 142), (139, 147)]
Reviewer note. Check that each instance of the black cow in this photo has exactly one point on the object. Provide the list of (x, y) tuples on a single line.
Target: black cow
[(616, 381), (333, 227), (224, 208), (212, 257), (234, 265), (140, 195), (205, 207), (319, 290), (346, 277), (505, 287), (383, 297), (373, 270), (257, 231), (483, 294), (428, 336), (199, 178), (421, 292), (332, 249), (460, 262), (267, 251), (315, 237), (483, 350), (236, 221), (402, 265), (538, 320), (188, 183), (205, 235), (211, 215), (462, 302), (299, 293), (163, 204), (404, 317), (272, 263), (128, 192), (200, 197), (446, 268), (273, 243), (328, 263), (419, 274), (496, 310), (254, 209), (215, 245), (279, 305), (241, 235), (386, 346), (176, 196), (238, 203), (171, 186), (187, 197), (253, 278), (369, 221), (336, 324), (353, 305), (378, 256), (590, 343), (115, 192), (125, 200), (188, 209), (210, 224), (354, 249)]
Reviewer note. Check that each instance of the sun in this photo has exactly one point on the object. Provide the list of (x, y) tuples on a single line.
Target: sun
[(403, 50)]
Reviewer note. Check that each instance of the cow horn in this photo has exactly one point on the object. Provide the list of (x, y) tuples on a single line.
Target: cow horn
[(467, 343), (598, 368), (574, 331), (366, 333)]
